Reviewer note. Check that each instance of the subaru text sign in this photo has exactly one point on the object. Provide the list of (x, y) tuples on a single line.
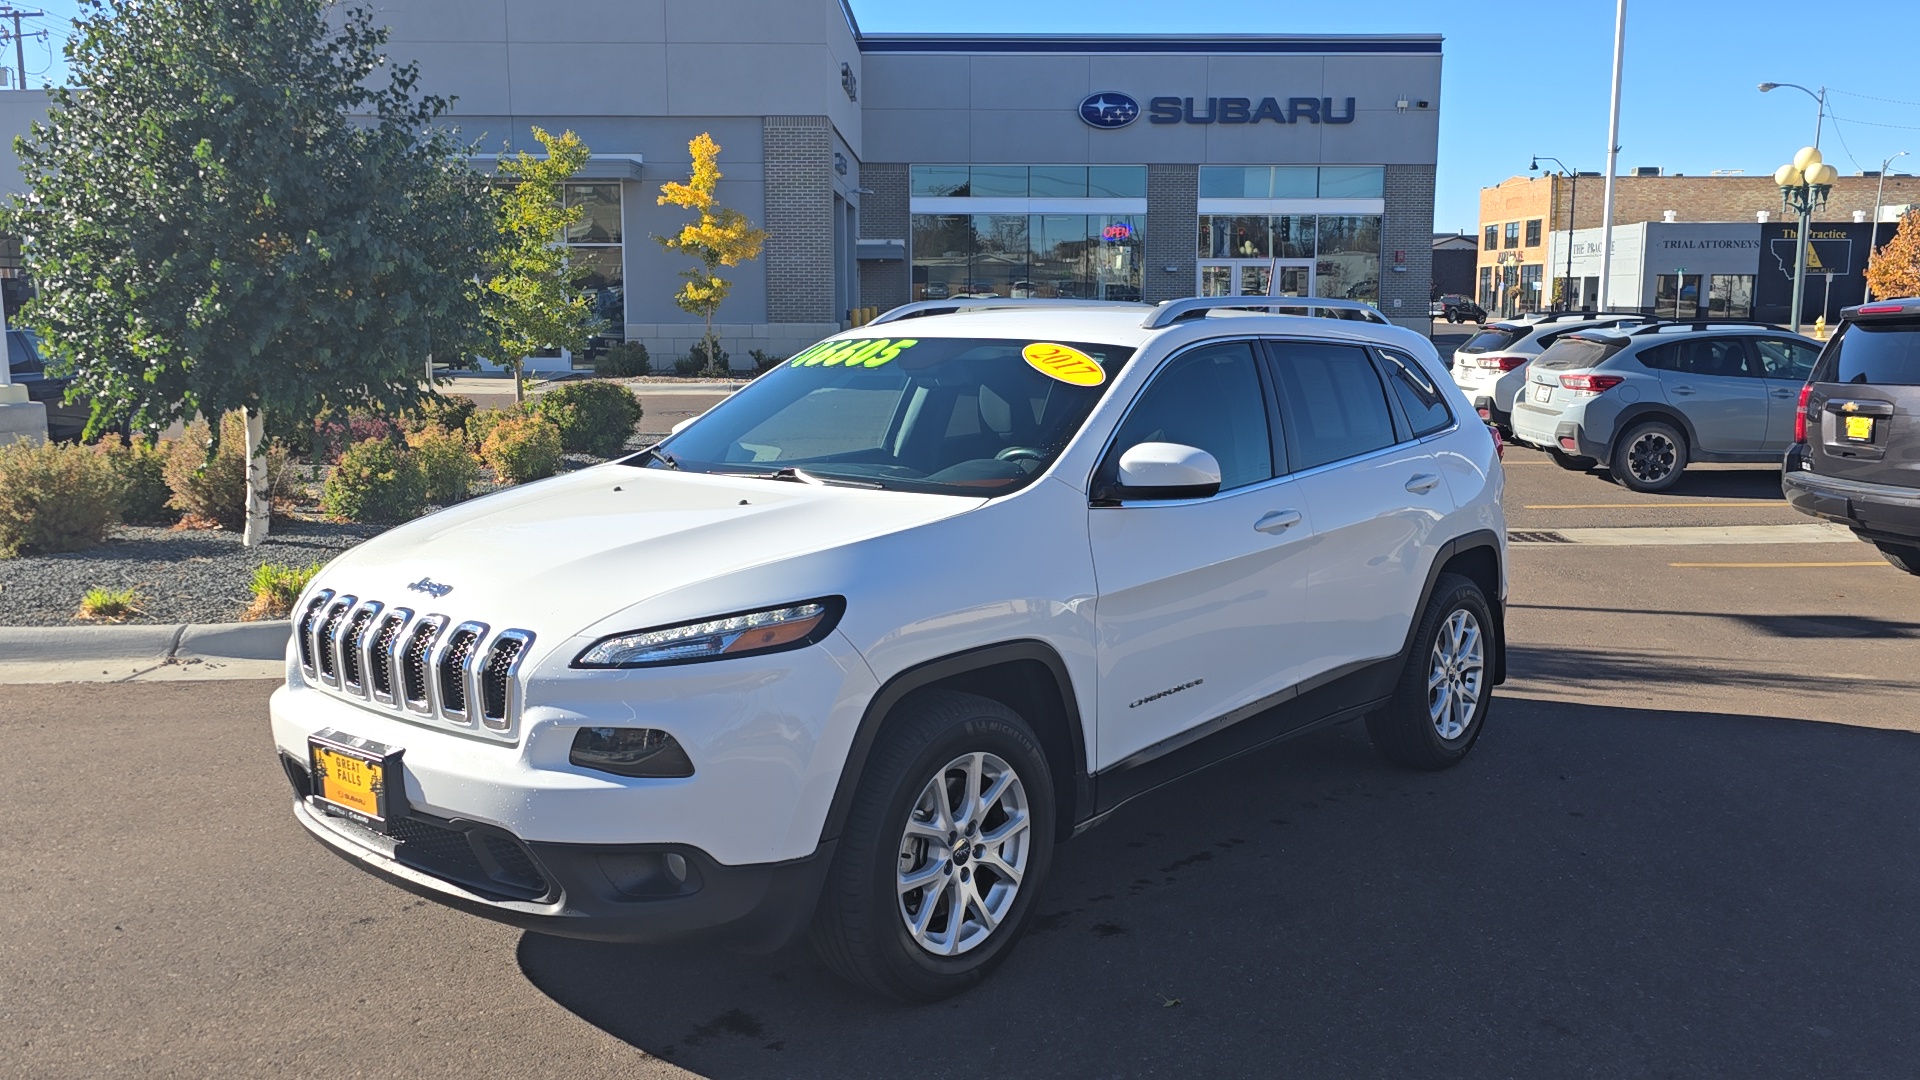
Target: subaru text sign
[(1114, 110), (1109, 110)]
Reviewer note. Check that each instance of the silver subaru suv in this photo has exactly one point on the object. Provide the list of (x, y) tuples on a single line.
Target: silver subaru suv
[(1646, 401)]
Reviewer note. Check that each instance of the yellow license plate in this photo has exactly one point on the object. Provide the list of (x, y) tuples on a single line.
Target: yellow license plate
[(355, 775), (1860, 428)]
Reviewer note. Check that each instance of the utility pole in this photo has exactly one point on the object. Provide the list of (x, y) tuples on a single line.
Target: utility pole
[(20, 43), (1613, 158)]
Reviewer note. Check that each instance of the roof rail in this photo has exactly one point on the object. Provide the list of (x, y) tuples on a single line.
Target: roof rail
[(1654, 326), (1174, 311), (922, 308)]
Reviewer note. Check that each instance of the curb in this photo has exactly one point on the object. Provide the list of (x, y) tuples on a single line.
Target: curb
[(41, 654)]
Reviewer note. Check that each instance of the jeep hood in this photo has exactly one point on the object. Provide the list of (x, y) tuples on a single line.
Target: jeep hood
[(556, 556)]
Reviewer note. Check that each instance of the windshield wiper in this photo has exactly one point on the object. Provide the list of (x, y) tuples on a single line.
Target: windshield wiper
[(796, 476)]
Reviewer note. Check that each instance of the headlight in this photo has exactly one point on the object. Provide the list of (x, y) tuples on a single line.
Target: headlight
[(746, 634)]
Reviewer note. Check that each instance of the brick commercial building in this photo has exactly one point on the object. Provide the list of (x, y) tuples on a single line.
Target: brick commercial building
[(1524, 223)]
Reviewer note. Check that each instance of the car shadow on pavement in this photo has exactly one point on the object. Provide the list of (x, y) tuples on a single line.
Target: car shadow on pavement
[(1597, 890), (1760, 483)]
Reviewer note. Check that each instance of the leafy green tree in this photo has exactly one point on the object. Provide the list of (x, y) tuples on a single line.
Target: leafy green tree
[(718, 238), (535, 300), (243, 205)]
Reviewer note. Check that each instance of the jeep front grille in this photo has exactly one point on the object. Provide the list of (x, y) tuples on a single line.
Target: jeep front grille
[(425, 666)]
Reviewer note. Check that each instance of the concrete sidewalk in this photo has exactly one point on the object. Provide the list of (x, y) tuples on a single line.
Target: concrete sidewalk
[(57, 654)]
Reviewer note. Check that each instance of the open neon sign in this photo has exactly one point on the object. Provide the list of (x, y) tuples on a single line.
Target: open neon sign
[(1119, 230)]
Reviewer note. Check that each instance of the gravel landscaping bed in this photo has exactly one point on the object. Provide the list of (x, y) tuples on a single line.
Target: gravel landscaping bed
[(182, 576)]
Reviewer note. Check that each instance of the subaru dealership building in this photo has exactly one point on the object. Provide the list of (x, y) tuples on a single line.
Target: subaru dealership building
[(893, 167)]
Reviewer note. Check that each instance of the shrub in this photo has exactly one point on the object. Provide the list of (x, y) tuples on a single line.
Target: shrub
[(623, 360), (55, 497), (523, 448), (446, 464), (376, 482), (483, 421), (689, 365), (109, 605), (714, 362), (142, 469), (444, 413), (594, 417), (214, 489), (333, 433), (763, 363), (275, 588)]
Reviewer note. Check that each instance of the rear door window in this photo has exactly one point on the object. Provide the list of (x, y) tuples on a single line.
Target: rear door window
[(1719, 357), (1874, 353), (1332, 402)]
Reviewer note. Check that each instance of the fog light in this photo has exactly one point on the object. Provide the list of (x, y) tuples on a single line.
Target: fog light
[(638, 752)]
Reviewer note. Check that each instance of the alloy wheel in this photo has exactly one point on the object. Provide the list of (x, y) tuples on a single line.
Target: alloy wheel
[(1456, 675), (963, 853), (1652, 457)]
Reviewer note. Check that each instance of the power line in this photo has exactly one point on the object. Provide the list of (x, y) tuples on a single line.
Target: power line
[(1870, 97), (1870, 123)]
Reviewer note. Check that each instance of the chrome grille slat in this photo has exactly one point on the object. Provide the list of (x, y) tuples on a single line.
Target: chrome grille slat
[(425, 666)]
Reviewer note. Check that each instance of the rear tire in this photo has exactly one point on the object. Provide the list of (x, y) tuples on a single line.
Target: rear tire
[(941, 752), (1650, 457), (1903, 556), (1441, 702), (1570, 462)]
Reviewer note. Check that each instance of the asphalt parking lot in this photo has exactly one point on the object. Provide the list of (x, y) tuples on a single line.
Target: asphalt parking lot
[(1684, 847)]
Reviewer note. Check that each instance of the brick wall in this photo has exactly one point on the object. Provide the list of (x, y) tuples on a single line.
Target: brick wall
[(799, 219), (1173, 232), (1408, 229), (885, 215)]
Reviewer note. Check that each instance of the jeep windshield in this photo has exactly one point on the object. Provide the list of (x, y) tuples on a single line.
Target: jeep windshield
[(950, 416)]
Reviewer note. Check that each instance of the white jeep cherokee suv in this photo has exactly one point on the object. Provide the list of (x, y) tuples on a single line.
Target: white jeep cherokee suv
[(854, 650)]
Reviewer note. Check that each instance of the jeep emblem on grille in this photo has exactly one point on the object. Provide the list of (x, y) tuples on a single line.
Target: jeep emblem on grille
[(431, 588)]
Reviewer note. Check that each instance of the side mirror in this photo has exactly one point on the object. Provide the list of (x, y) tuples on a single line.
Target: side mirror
[(1162, 470)]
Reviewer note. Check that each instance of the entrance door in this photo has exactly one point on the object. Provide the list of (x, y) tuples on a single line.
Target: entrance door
[(1255, 277)]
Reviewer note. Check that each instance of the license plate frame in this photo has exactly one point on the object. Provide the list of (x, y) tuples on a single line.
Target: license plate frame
[(1857, 428), (365, 775), (1542, 393)]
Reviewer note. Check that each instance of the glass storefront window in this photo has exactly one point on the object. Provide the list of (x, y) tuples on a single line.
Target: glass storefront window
[(998, 182), (1296, 182), (599, 213), (1685, 306), (1352, 182), (1293, 236), (939, 181), (1117, 181), (1236, 182), (1015, 255), (1347, 257), (1730, 296), (1058, 181)]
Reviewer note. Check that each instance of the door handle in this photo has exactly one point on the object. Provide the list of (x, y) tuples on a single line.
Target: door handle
[(1423, 483), (1277, 521), (1683, 389)]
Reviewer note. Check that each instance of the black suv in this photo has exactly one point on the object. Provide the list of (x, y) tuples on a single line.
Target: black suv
[(1457, 309), (1856, 452), (24, 364)]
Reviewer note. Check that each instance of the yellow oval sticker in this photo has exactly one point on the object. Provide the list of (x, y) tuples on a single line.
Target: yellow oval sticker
[(1066, 364)]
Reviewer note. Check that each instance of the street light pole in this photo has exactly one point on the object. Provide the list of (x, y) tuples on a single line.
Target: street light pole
[(1873, 244), (1804, 185), (1573, 201), (1613, 156)]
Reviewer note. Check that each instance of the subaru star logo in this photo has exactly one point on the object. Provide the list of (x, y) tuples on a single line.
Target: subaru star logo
[(1109, 110), (431, 588)]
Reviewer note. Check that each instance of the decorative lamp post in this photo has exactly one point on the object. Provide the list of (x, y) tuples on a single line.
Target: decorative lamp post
[(1873, 244), (1573, 201), (1804, 184)]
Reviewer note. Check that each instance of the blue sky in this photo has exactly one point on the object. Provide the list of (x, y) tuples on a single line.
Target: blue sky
[(1532, 78)]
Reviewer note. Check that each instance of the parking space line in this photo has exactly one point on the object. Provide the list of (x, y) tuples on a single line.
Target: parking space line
[(1769, 565), (1748, 504)]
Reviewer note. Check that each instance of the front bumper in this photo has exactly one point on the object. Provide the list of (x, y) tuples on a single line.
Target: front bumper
[(598, 892), (1881, 510)]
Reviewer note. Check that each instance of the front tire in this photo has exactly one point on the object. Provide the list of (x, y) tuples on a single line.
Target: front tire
[(1903, 556), (1650, 457), (1441, 702), (944, 853)]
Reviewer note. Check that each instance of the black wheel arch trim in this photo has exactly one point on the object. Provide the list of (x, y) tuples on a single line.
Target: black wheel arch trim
[(1642, 411), (1481, 538), (1079, 796)]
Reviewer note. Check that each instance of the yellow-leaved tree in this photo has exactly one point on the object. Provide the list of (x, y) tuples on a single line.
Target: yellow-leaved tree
[(718, 238), (1894, 270)]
